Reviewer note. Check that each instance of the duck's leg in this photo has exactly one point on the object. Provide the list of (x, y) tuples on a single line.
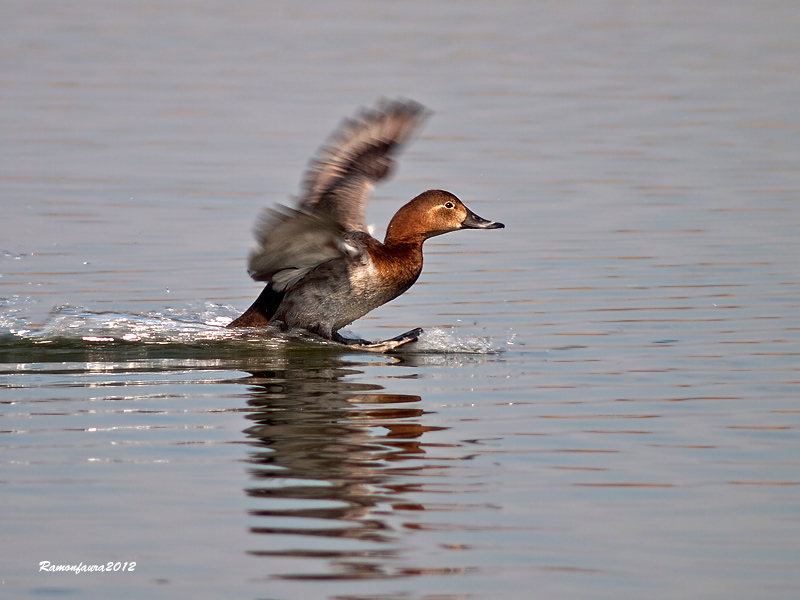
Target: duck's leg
[(384, 346), (395, 342)]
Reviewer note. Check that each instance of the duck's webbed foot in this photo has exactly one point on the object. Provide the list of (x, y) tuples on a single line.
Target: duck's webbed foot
[(384, 346)]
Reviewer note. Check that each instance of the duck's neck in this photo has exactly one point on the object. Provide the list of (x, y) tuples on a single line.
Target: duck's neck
[(399, 261)]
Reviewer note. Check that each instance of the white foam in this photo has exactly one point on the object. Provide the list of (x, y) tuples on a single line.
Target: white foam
[(445, 340), (192, 325), (167, 326)]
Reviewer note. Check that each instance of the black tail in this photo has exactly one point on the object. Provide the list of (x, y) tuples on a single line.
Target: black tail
[(262, 310)]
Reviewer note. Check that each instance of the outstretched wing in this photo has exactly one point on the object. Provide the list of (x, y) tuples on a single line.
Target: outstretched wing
[(358, 154), (334, 194), (291, 243)]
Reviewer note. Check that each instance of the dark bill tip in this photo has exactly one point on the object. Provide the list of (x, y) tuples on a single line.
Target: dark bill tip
[(473, 221)]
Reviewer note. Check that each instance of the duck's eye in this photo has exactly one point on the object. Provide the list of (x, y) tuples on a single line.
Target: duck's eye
[(449, 204)]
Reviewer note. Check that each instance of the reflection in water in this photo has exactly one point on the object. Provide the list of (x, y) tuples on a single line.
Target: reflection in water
[(325, 467)]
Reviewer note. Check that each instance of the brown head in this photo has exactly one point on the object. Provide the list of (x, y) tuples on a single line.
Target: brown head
[(433, 213)]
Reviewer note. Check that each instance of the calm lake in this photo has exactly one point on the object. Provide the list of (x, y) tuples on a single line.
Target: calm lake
[(605, 403)]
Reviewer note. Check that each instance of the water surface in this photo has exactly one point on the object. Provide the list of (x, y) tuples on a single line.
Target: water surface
[(604, 403)]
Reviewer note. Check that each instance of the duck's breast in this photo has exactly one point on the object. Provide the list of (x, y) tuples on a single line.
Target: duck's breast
[(337, 292)]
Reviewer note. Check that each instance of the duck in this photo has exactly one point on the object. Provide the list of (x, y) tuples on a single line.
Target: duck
[(321, 267)]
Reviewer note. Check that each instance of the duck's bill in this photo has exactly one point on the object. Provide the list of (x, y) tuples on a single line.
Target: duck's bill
[(473, 221)]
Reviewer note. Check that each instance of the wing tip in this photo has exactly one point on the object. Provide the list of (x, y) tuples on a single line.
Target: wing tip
[(378, 132)]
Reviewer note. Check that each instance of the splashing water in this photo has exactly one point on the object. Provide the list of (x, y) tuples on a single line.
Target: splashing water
[(444, 340), (195, 325), (77, 323)]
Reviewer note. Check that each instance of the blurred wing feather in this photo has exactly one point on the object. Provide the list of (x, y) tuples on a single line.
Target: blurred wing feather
[(291, 243), (335, 190), (360, 153)]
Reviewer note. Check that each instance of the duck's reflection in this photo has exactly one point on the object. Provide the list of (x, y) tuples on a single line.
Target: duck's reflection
[(325, 468)]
